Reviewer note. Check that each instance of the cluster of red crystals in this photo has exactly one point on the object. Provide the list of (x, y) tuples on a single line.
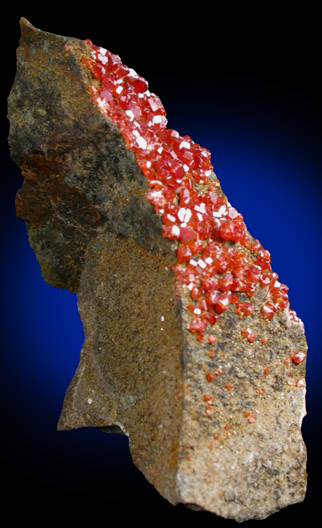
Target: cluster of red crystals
[(213, 245)]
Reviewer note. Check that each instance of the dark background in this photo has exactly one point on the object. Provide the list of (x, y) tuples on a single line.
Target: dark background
[(246, 86)]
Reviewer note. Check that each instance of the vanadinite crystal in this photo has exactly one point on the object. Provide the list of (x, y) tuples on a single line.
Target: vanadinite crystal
[(190, 346), (217, 260)]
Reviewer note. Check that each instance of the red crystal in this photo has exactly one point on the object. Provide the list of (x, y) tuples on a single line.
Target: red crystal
[(248, 334), (244, 308), (298, 357), (155, 104), (196, 294), (208, 411), (209, 285), (233, 299), (208, 398), (222, 303), (268, 311), (183, 253), (197, 325), (187, 234), (139, 84), (226, 282)]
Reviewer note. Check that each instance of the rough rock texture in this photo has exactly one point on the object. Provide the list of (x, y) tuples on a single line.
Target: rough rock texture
[(141, 372)]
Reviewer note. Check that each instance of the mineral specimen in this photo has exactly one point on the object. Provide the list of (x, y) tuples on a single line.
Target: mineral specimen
[(190, 347)]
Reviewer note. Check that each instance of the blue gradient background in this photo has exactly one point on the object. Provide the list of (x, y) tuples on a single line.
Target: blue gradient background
[(258, 110)]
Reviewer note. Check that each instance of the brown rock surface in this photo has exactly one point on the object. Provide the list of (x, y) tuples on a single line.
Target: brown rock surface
[(141, 371)]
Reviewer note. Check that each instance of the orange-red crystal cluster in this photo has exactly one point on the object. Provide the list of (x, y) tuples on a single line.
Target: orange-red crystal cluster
[(213, 245)]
